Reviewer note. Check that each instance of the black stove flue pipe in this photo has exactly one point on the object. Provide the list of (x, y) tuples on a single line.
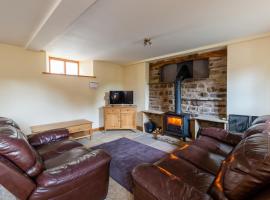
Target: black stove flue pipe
[(183, 73), (178, 98)]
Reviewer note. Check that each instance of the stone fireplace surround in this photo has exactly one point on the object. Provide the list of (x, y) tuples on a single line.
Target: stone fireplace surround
[(199, 96)]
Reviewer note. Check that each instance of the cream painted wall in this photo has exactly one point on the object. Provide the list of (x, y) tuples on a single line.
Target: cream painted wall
[(32, 98), (87, 68), (136, 78), (249, 77)]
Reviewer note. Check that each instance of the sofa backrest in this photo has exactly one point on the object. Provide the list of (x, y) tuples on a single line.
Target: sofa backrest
[(6, 121), (15, 147), (257, 128), (222, 135), (246, 171), (261, 119)]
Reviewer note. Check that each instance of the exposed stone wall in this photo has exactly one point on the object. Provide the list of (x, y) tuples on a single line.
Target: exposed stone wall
[(203, 96), (161, 97)]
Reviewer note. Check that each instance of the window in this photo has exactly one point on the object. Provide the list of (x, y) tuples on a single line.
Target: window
[(63, 66)]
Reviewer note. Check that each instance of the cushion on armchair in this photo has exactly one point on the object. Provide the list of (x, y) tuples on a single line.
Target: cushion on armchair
[(7, 121), (48, 136), (246, 171), (15, 147), (73, 168), (261, 119), (257, 128), (222, 135)]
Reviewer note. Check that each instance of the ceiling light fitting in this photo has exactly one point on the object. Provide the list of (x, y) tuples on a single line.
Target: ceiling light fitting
[(147, 42)]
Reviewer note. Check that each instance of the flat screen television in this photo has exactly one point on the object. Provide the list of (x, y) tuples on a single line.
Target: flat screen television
[(121, 97)]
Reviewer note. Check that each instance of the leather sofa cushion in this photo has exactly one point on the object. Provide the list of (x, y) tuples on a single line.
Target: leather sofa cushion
[(152, 183), (47, 137), (15, 147), (6, 121), (213, 145), (222, 135), (261, 119), (246, 171), (257, 128), (83, 178), (55, 149), (65, 157), (201, 158), (187, 172), (14, 179)]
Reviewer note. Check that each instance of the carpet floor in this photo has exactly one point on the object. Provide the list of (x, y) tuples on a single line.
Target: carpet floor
[(127, 154)]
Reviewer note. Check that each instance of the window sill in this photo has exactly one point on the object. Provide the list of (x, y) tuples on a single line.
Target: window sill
[(47, 73)]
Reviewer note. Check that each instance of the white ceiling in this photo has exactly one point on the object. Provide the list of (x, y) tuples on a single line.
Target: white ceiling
[(19, 18), (113, 30)]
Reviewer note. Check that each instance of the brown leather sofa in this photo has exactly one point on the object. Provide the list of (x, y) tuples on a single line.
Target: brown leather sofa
[(218, 165), (50, 166)]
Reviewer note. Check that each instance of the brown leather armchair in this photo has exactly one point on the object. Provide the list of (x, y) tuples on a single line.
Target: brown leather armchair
[(218, 165), (50, 166)]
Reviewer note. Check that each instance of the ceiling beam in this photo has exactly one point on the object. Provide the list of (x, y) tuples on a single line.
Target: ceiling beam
[(57, 20), (42, 23), (195, 56)]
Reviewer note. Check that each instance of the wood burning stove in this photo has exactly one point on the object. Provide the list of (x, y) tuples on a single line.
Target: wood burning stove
[(176, 124)]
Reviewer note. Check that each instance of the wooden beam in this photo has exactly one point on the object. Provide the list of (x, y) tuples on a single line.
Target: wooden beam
[(197, 56), (68, 75)]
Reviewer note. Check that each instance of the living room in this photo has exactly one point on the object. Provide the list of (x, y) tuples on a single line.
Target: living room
[(134, 100)]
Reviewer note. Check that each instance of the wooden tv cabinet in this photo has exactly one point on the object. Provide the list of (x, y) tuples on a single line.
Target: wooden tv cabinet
[(120, 117)]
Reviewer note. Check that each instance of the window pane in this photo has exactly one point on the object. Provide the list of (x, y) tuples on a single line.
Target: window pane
[(72, 68), (57, 66)]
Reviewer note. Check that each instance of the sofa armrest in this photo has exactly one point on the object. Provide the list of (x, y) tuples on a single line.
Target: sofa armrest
[(14, 180), (48, 136), (74, 169), (222, 135), (152, 182)]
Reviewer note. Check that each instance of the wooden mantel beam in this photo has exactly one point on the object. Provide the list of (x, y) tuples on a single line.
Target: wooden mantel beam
[(197, 56)]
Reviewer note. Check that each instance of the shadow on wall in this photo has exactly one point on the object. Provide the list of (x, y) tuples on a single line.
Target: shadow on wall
[(101, 117), (139, 119), (101, 110), (107, 98)]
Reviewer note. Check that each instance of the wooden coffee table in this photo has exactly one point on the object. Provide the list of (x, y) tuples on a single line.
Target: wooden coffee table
[(77, 128)]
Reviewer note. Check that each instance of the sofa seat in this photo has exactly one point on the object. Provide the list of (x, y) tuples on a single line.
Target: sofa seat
[(65, 157), (187, 172), (83, 174), (201, 158), (52, 150), (213, 145)]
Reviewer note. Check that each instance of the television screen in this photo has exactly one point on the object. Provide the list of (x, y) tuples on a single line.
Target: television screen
[(121, 97)]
